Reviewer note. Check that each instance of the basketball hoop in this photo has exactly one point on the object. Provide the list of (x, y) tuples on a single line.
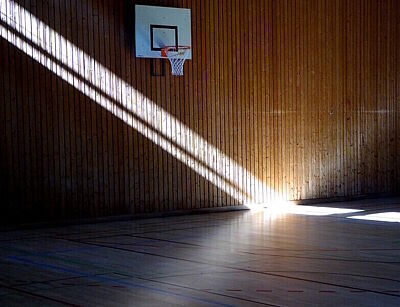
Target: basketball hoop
[(177, 57)]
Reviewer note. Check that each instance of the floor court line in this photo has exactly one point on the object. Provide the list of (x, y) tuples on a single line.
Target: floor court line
[(252, 271)]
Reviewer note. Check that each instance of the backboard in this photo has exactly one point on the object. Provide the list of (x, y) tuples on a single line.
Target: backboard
[(157, 27)]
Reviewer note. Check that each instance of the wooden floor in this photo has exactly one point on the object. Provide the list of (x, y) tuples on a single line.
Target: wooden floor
[(235, 258)]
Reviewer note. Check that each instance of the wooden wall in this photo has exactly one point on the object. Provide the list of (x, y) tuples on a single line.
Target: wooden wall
[(303, 94)]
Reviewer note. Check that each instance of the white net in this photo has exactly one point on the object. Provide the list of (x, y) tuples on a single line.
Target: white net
[(177, 59)]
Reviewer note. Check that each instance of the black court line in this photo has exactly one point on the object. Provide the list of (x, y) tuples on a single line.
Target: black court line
[(262, 254), (240, 269), (326, 250), (209, 291), (341, 274), (139, 233), (194, 274), (166, 222), (39, 295), (29, 283), (121, 232), (134, 244), (168, 241), (270, 255)]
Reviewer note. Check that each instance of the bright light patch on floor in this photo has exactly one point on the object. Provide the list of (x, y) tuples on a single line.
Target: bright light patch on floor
[(310, 210), (392, 217)]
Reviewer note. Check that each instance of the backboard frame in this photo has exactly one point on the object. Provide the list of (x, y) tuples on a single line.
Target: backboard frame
[(153, 26), (159, 26)]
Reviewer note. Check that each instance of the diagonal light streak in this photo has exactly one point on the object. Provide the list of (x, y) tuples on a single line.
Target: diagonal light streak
[(47, 47)]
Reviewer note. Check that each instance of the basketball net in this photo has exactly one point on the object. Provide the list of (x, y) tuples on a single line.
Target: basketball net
[(177, 58)]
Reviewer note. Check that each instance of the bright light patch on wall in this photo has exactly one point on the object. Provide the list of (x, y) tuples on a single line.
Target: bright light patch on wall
[(37, 40), (392, 217), (310, 210)]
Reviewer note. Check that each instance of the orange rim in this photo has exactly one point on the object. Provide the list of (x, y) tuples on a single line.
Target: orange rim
[(165, 50)]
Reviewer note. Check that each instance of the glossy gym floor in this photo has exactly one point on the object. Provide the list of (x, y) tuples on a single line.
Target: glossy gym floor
[(345, 253)]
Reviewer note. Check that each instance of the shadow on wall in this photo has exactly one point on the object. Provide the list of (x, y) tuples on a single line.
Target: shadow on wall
[(87, 76)]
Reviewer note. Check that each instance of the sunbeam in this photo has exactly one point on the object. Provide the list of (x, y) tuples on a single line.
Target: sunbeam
[(67, 61), (392, 217)]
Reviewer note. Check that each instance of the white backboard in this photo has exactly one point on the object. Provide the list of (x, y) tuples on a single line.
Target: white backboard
[(157, 27)]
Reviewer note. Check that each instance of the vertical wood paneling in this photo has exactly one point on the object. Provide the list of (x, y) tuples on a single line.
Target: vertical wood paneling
[(302, 95), (397, 97), (3, 125)]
